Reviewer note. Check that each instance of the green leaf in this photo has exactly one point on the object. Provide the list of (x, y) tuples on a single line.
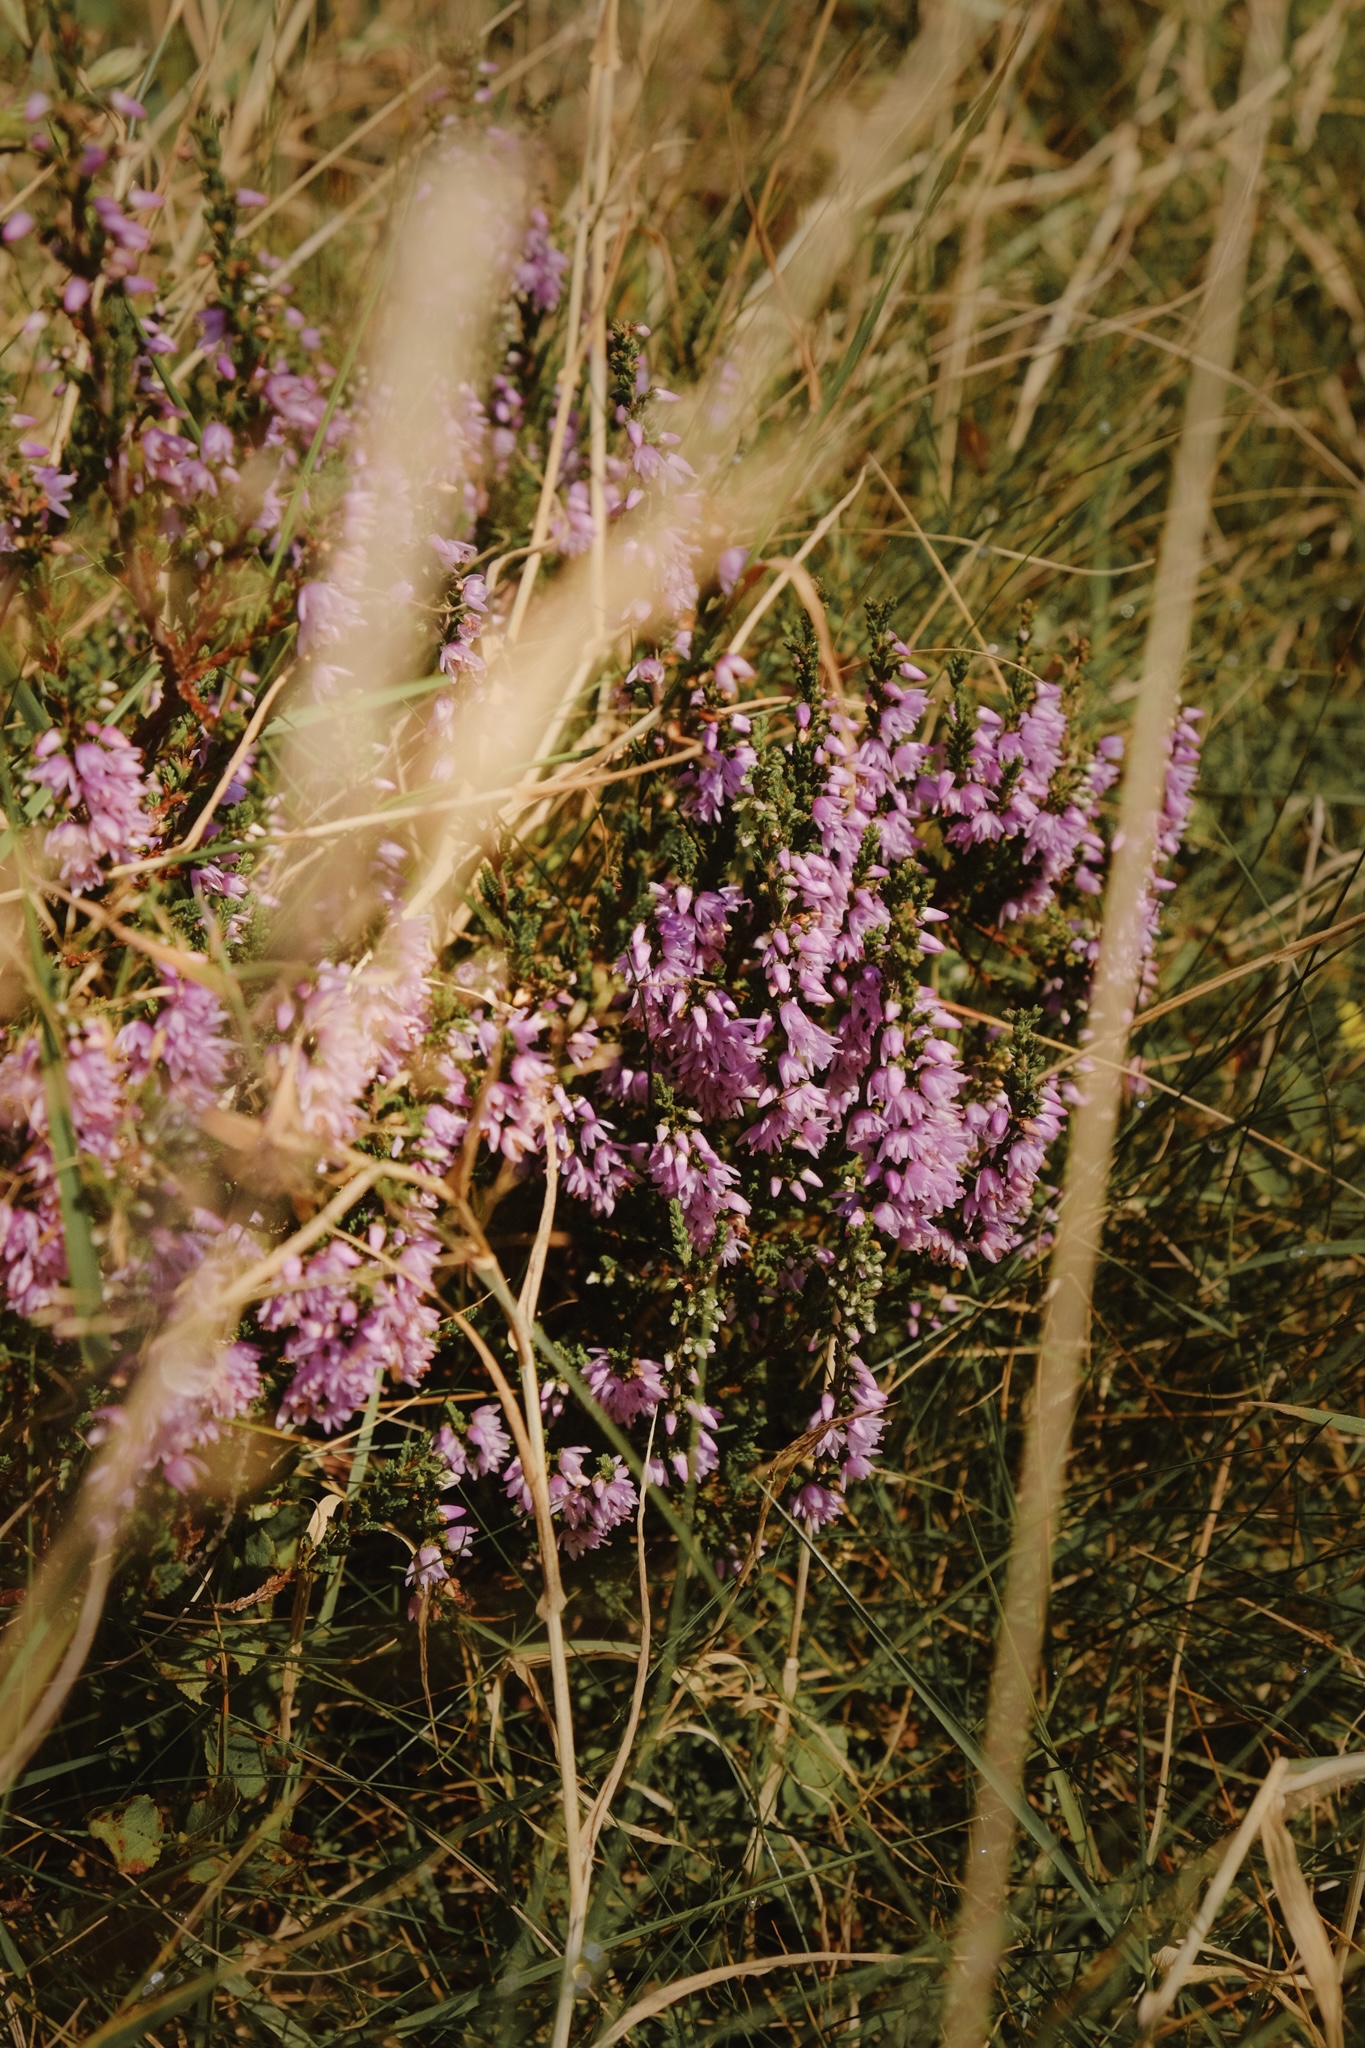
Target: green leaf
[(26, 698), (812, 1769), (132, 1834), (1342, 1248), (242, 1759), (17, 20), (126, 2028), (1326, 1418)]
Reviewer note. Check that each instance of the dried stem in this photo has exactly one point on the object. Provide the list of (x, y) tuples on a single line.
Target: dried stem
[(1156, 2004), (605, 62), (1220, 1487), (980, 1936), (601, 1806), (528, 1430)]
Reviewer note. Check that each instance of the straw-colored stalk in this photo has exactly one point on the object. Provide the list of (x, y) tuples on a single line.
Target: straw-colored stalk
[(1066, 1327)]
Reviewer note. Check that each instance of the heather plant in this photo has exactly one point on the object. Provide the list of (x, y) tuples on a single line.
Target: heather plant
[(542, 1034), (722, 1024)]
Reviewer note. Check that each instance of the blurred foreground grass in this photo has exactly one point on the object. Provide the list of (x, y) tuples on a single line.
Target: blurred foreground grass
[(1003, 344)]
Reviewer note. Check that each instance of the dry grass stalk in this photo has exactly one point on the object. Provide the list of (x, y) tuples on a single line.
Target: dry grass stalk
[(980, 1935), (1220, 1487), (1281, 1792)]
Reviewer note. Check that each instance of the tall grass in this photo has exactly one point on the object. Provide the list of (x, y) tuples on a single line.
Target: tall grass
[(963, 256)]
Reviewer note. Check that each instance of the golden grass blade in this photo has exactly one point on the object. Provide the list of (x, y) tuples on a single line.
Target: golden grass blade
[(1154, 2005), (1220, 1487), (686, 1987), (1304, 1923), (980, 1936)]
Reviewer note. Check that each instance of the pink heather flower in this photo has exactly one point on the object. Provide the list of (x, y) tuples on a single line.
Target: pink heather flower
[(571, 522), (517, 1488), (359, 1023), (489, 1439), (56, 486), (299, 406), (428, 1568), (589, 1499), (685, 1168), (731, 671), (325, 615), (721, 775), (730, 566), (123, 103), (101, 788), (32, 1255), (32, 1239), (680, 1457), (595, 1168), (453, 555), (590, 1502), (515, 1107), (1182, 769), (456, 1536), (204, 1399), (350, 1321), (217, 445), (17, 226), (189, 1038), (127, 235), (816, 1505), (172, 459), (625, 1394), (75, 294), (538, 276), (450, 1449)]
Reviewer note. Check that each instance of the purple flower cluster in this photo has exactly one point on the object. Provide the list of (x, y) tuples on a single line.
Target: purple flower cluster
[(775, 1048), (1182, 771), (353, 1314), (849, 1054), (188, 471), (736, 1028), (588, 1496), (538, 277), (187, 1040), (526, 1100), (101, 789), (850, 1425), (32, 1244), (194, 1411), (349, 1025)]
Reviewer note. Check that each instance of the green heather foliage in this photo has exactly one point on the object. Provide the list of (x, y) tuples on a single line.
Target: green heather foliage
[(300, 1793)]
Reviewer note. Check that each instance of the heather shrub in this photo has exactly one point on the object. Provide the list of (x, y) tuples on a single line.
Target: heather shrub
[(540, 1039)]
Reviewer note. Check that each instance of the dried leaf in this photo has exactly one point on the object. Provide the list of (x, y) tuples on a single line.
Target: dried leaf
[(1304, 1923), (321, 1516)]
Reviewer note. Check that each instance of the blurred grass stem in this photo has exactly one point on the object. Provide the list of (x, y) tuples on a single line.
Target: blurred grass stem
[(1010, 1712)]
